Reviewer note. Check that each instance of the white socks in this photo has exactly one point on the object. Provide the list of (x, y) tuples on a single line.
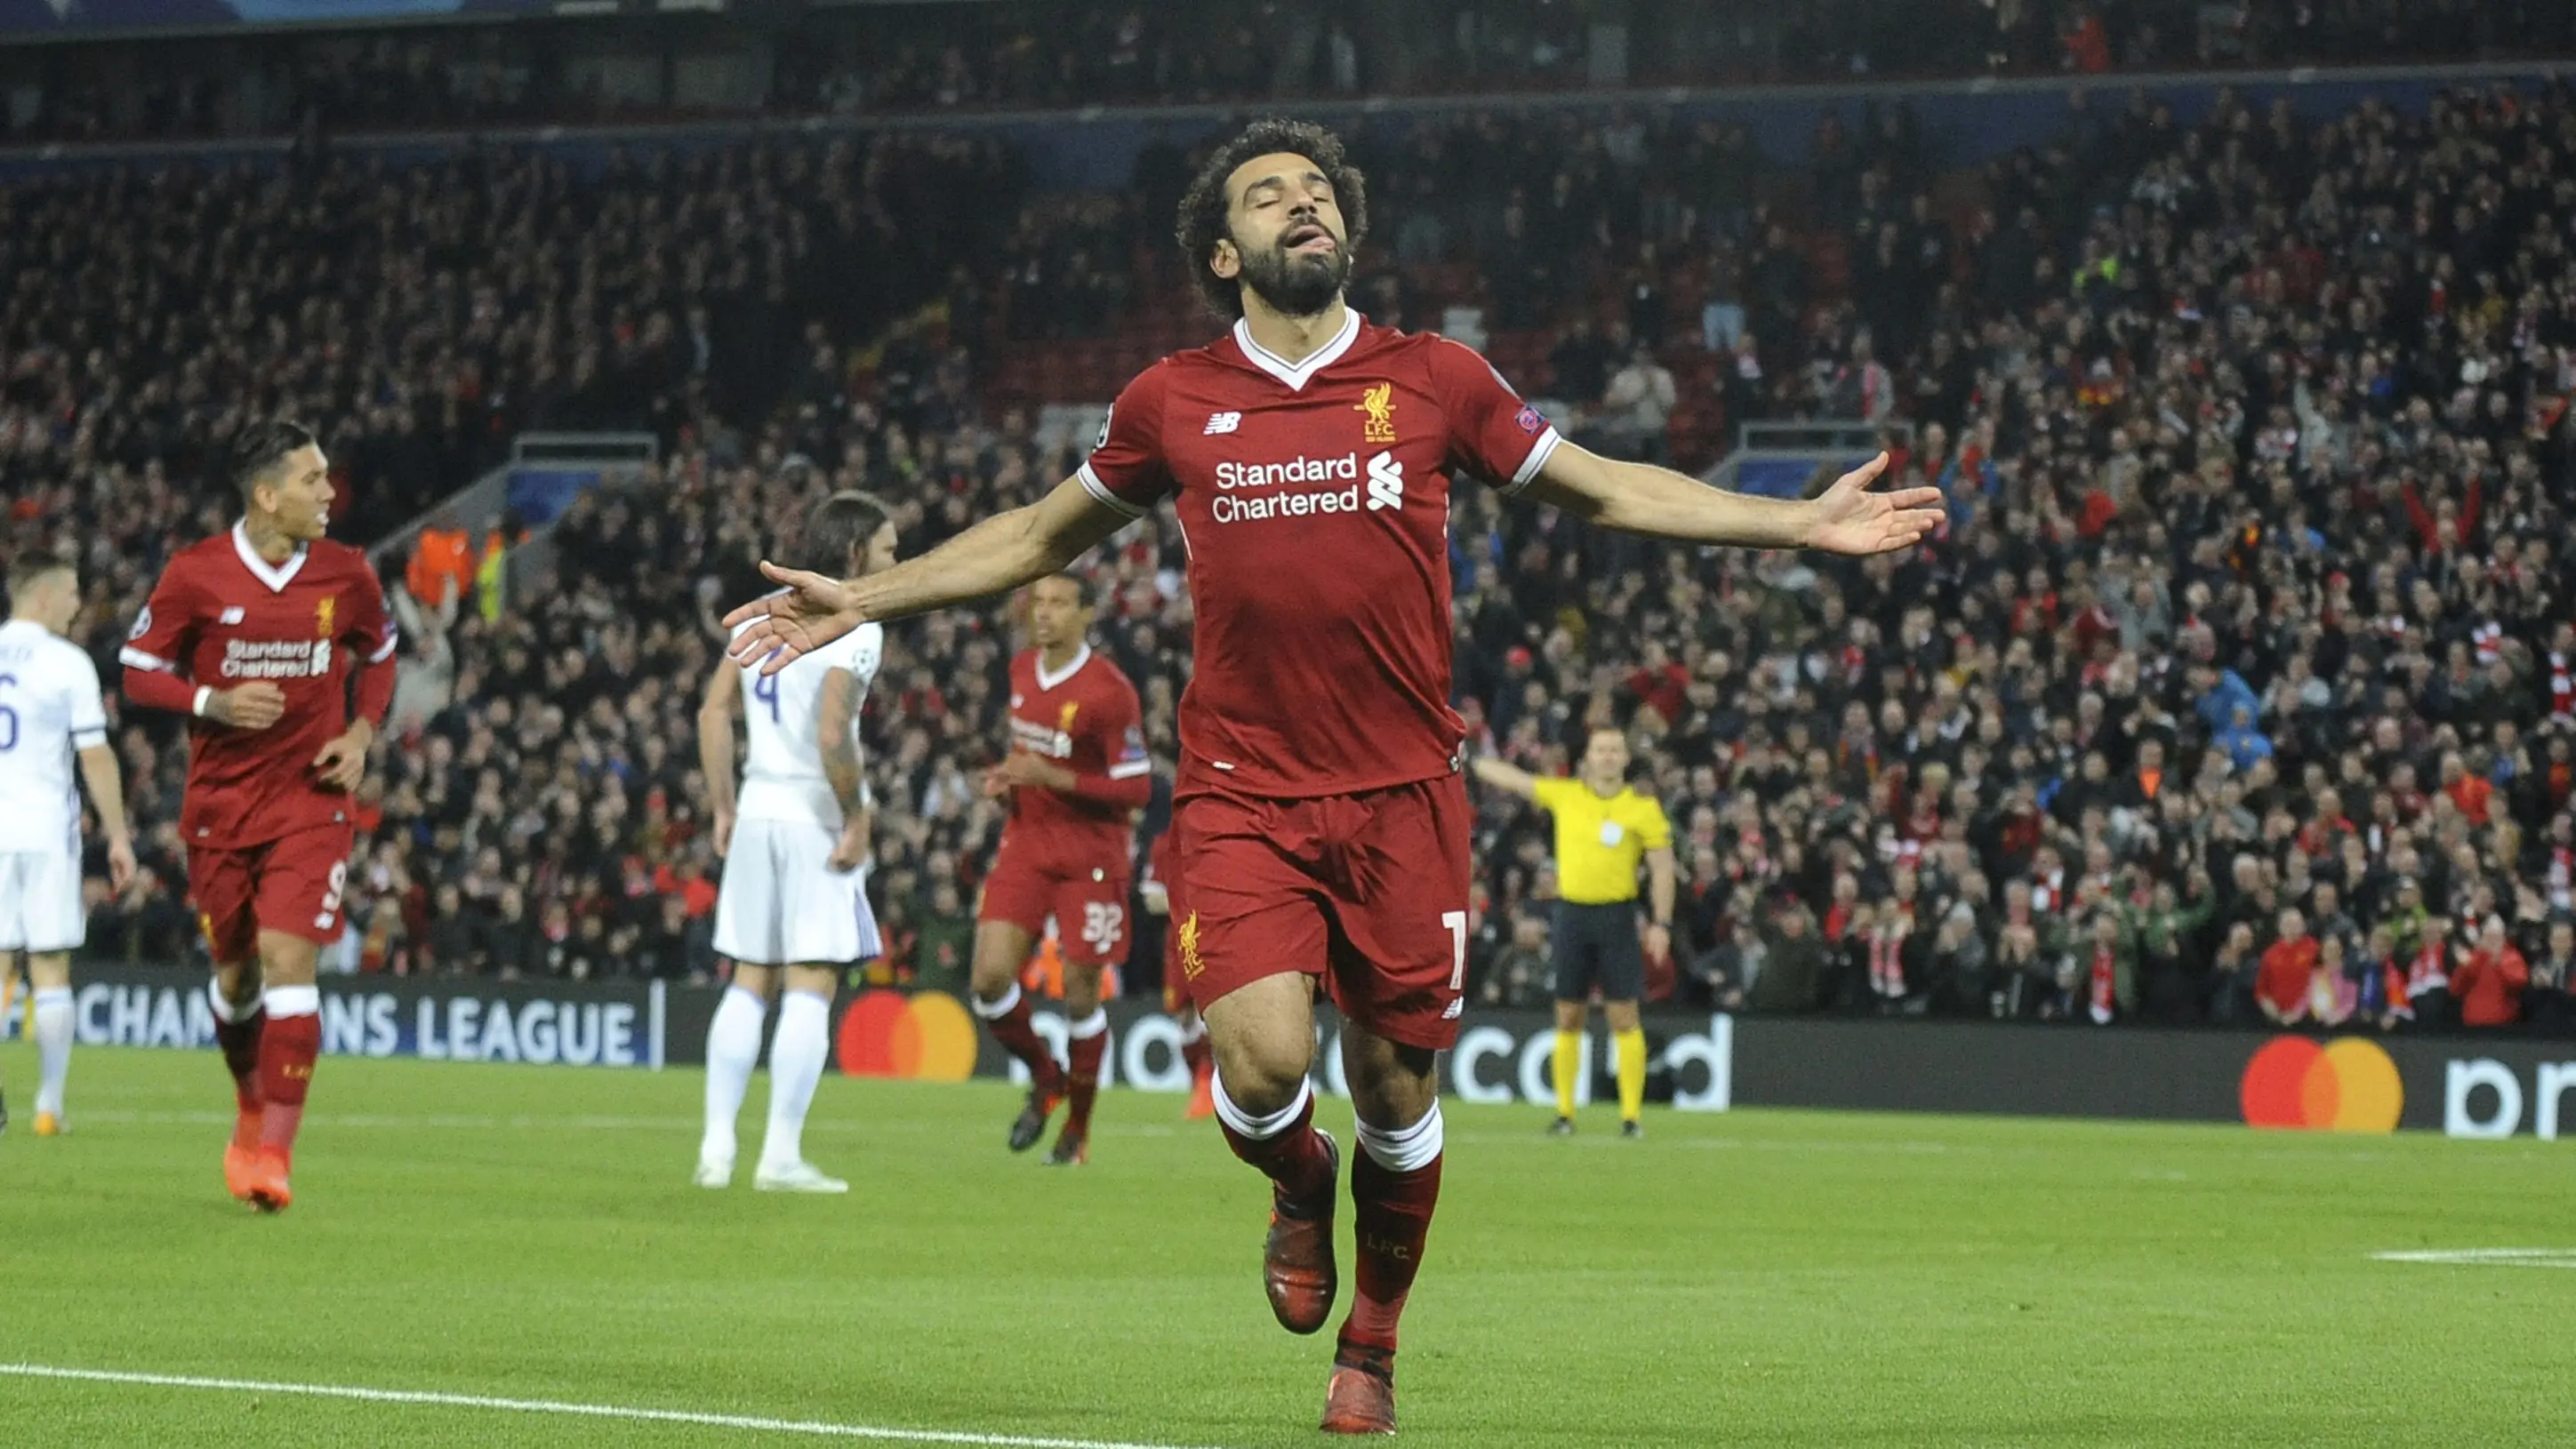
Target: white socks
[(795, 1065), (1259, 1129), (1404, 1149), (53, 1046), (998, 1008), (733, 1048)]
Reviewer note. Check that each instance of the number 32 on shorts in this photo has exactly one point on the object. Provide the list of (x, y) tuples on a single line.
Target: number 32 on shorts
[(1100, 926), (1456, 921)]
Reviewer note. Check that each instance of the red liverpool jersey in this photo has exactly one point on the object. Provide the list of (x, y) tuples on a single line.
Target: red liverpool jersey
[(222, 617), (1087, 720), (1314, 498)]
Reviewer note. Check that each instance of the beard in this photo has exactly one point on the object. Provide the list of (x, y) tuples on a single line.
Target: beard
[(1294, 283)]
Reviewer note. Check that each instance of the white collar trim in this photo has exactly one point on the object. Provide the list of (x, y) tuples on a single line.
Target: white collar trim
[(1081, 657), (1298, 374), (276, 576)]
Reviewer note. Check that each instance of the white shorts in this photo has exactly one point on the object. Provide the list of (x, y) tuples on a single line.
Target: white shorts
[(40, 901), (782, 904)]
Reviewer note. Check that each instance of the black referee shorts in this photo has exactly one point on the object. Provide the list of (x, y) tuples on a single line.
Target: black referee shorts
[(1597, 946)]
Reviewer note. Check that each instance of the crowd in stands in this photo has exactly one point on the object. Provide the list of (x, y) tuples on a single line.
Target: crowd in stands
[(2240, 687), (967, 55)]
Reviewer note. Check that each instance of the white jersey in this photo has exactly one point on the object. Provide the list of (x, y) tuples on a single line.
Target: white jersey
[(49, 708), (782, 775)]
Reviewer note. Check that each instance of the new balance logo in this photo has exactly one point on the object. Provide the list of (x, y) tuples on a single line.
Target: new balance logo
[(1385, 482), (1222, 423), (231, 615)]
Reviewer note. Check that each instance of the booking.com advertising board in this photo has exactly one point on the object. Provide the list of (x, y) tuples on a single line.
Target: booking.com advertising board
[(2464, 1086)]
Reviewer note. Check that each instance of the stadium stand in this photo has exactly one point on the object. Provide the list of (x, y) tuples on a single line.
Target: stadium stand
[(972, 55), (2253, 600)]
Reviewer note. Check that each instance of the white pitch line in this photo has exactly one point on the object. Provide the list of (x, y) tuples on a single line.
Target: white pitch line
[(813, 1427), (2485, 1257)]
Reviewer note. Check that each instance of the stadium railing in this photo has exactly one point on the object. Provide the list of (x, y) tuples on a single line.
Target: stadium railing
[(1781, 460), (546, 472)]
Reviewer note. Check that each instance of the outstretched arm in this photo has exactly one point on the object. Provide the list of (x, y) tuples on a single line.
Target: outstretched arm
[(1507, 777), (1642, 498), (1002, 552)]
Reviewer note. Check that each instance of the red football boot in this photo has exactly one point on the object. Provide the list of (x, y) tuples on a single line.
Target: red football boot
[(1361, 1399), (1297, 1270)]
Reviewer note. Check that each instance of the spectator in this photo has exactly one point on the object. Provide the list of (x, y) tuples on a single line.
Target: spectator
[(1637, 406), (2489, 978), (1793, 966), (2282, 990)]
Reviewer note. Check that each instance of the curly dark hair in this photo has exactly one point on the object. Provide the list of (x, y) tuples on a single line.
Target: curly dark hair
[(1202, 220)]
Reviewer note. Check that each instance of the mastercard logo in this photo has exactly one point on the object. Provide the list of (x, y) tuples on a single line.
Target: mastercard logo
[(888, 1034), (2346, 1085)]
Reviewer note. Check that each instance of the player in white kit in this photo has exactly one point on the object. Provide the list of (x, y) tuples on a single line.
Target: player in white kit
[(795, 847), (50, 714)]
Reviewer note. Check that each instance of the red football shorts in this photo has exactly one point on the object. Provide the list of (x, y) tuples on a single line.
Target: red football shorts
[(1088, 901), (1367, 892), (1175, 991), (291, 884)]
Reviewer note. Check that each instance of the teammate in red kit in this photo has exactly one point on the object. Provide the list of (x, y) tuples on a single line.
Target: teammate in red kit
[(1321, 808), (1159, 891), (1076, 774), (254, 633)]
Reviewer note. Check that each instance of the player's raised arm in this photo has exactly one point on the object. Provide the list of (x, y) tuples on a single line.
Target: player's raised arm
[(1642, 498), (715, 746), (1002, 552)]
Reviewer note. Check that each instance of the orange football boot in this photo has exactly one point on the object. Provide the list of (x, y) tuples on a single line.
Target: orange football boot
[(267, 1181)]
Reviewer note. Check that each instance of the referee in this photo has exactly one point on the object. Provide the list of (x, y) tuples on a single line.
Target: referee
[(1603, 827)]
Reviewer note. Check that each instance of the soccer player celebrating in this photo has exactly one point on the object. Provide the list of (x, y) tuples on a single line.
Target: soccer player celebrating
[(1320, 807), (50, 715), (1603, 828), (1075, 775), (794, 896), (254, 634)]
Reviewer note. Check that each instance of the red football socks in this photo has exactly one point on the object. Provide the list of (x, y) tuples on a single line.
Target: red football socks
[(1391, 1219), (1083, 1048), (238, 1037), (287, 1049), (1196, 1056), (1008, 1021), (1291, 1155)]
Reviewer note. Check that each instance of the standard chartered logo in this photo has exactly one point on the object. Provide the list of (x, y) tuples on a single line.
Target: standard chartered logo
[(1384, 488), (1386, 482)]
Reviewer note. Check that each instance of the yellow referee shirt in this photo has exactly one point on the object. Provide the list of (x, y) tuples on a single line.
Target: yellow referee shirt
[(1599, 842)]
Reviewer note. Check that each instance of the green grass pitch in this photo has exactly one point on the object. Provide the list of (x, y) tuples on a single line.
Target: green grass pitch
[(1756, 1278)]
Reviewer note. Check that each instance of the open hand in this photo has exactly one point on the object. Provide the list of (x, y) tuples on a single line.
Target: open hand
[(1848, 518), (343, 762), (809, 613)]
